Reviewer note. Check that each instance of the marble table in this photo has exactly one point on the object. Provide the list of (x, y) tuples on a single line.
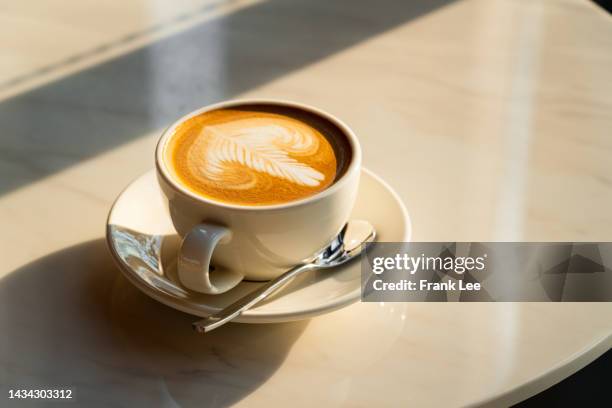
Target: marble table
[(491, 119)]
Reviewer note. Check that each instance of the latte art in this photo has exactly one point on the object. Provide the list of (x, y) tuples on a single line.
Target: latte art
[(255, 157), (228, 150)]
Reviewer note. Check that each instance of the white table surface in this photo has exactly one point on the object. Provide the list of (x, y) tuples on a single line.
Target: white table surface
[(491, 119)]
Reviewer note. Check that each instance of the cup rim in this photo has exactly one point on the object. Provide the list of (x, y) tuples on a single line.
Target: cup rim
[(353, 167)]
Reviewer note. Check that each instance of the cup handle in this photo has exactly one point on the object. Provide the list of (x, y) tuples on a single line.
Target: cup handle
[(194, 260)]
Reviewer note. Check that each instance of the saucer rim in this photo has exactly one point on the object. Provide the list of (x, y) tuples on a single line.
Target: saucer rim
[(254, 315)]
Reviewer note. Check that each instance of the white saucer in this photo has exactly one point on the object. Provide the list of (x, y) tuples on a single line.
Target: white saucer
[(142, 240)]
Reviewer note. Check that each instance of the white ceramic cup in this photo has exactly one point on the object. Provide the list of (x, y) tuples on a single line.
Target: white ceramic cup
[(225, 243)]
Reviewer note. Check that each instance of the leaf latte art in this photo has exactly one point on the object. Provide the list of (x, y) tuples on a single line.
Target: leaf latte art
[(253, 158), (261, 147)]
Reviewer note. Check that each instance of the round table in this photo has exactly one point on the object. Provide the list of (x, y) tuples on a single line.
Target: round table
[(491, 119)]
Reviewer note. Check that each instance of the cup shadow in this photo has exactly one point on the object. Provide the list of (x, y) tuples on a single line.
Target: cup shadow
[(71, 320)]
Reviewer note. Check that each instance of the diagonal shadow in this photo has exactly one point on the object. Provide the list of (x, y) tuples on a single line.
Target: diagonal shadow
[(55, 126)]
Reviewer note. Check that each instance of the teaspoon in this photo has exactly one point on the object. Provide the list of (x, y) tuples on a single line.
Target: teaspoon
[(347, 245)]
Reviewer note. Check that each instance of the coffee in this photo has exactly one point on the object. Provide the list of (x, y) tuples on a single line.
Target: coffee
[(257, 154)]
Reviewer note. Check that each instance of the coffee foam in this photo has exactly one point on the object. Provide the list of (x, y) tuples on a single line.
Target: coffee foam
[(252, 157)]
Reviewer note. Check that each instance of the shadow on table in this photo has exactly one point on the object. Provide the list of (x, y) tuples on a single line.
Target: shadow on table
[(71, 320), (58, 125)]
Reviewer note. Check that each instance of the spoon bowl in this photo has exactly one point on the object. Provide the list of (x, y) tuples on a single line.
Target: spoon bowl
[(348, 244)]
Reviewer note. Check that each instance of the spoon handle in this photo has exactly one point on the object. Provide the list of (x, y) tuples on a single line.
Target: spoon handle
[(249, 300)]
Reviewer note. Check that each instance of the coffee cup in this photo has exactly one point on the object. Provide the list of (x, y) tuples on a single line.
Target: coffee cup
[(254, 187)]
